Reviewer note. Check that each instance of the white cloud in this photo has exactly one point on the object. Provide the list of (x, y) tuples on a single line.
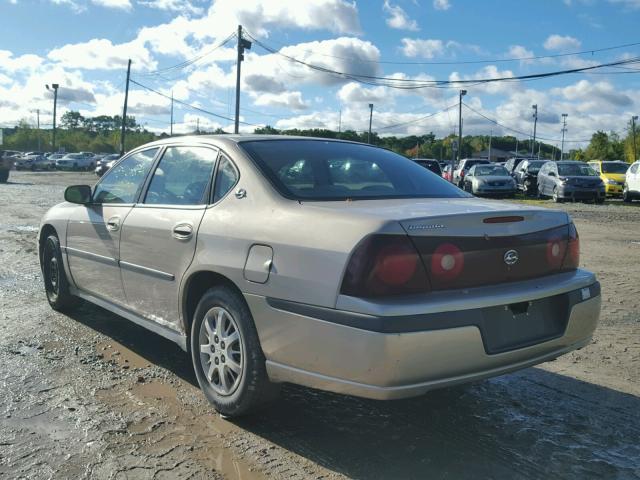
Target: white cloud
[(398, 18), (101, 54), (559, 42), (441, 4), (356, 93), (182, 6), (117, 4), (424, 48), (595, 96), (12, 64), (291, 100)]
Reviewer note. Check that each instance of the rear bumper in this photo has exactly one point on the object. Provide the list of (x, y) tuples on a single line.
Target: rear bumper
[(574, 193), (402, 356)]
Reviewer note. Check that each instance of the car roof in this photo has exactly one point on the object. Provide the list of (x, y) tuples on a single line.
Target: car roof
[(240, 138)]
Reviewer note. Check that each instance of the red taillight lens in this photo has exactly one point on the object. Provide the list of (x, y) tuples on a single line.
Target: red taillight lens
[(447, 262), (572, 258), (461, 173), (384, 265)]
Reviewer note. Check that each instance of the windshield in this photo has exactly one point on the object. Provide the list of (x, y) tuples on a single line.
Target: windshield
[(614, 167), (323, 170), (494, 170), (576, 170), (534, 167)]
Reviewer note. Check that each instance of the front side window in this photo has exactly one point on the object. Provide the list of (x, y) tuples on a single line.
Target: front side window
[(328, 170), (182, 176), (226, 178), (123, 183), (634, 168)]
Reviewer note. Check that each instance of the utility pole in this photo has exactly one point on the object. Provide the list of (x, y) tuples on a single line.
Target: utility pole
[(535, 124), (490, 139), (370, 119), (564, 129), (462, 94), (633, 130), (198, 126), (38, 121), (539, 148), (242, 45), (340, 121), (171, 130), (54, 86), (516, 152), (124, 110)]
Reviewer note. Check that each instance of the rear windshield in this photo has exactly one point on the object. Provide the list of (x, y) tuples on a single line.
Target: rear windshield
[(470, 163), (534, 167), (493, 170), (322, 170), (576, 170), (614, 167)]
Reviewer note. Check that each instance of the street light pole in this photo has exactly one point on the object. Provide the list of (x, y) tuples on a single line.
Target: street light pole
[(633, 129), (54, 86), (535, 123), (370, 119), (462, 94), (38, 120)]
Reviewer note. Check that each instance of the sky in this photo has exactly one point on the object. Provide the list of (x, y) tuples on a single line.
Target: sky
[(177, 48)]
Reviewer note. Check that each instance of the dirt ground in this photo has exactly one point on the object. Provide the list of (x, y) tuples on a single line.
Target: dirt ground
[(94, 396)]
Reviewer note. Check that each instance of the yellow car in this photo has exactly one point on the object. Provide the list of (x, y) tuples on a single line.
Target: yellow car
[(612, 173)]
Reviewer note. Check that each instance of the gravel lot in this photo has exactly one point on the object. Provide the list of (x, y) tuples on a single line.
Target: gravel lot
[(94, 396)]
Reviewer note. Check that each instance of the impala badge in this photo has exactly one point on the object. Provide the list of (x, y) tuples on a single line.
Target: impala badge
[(511, 257)]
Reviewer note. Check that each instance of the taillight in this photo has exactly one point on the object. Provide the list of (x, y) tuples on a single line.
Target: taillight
[(461, 173), (384, 265), (572, 258), (556, 250)]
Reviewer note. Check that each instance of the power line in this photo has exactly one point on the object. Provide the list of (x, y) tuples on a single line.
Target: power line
[(411, 83), (469, 62), (417, 120), (495, 122), (213, 114)]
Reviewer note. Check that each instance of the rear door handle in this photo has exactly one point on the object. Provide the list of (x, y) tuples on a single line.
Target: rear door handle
[(113, 224), (182, 231)]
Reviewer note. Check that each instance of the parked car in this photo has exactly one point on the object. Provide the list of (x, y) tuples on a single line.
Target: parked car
[(512, 163), (612, 174), (430, 164), (464, 166), (31, 161), (526, 176), (331, 264), (105, 163), (489, 180), (570, 180), (631, 189), (76, 161), (446, 172)]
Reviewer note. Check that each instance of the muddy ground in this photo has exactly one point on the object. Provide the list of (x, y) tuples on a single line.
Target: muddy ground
[(94, 396)]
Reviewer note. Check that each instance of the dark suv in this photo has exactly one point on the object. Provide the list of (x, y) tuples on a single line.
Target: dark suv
[(512, 164), (526, 176), (463, 167)]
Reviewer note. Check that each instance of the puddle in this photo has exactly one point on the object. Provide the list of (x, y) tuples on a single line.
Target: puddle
[(121, 355)]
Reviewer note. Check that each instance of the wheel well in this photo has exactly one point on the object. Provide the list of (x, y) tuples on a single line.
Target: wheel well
[(45, 231), (196, 286)]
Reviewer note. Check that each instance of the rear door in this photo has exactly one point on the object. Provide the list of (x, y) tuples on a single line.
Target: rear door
[(93, 231), (159, 234)]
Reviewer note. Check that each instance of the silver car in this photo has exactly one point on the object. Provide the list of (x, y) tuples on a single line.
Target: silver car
[(489, 180), (330, 264)]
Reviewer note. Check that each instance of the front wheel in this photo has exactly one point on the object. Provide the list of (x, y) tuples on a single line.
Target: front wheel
[(626, 196), (227, 356), (55, 280), (556, 197)]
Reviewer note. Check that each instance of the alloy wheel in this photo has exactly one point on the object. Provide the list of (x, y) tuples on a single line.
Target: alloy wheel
[(221, 351)]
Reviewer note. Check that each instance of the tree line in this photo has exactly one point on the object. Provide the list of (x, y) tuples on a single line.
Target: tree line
[(102, 134)]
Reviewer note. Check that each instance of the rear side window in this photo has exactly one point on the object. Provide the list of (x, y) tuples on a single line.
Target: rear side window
[(123, 183), (327, 170), (182, 176), (226, 178)]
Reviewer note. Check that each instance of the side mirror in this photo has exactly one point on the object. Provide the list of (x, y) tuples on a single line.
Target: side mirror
[(80, 194)]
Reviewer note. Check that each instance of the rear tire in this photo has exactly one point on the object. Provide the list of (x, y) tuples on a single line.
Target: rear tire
[(555, 196), (56, 284), (626, 196), (4, 176), (227, 356)]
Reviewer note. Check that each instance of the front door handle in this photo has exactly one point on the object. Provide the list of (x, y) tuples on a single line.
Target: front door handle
[(182, 231), (113, 224)]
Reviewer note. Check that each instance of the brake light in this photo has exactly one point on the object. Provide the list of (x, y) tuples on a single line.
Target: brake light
[(383, 265), (461, 173), (447, 262), (572, 258), (556, 250)]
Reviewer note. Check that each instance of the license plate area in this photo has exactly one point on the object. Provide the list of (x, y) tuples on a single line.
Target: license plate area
[(519, 325)]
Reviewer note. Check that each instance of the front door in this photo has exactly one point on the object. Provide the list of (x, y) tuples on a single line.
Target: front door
[(93, 231), (159, 235)]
